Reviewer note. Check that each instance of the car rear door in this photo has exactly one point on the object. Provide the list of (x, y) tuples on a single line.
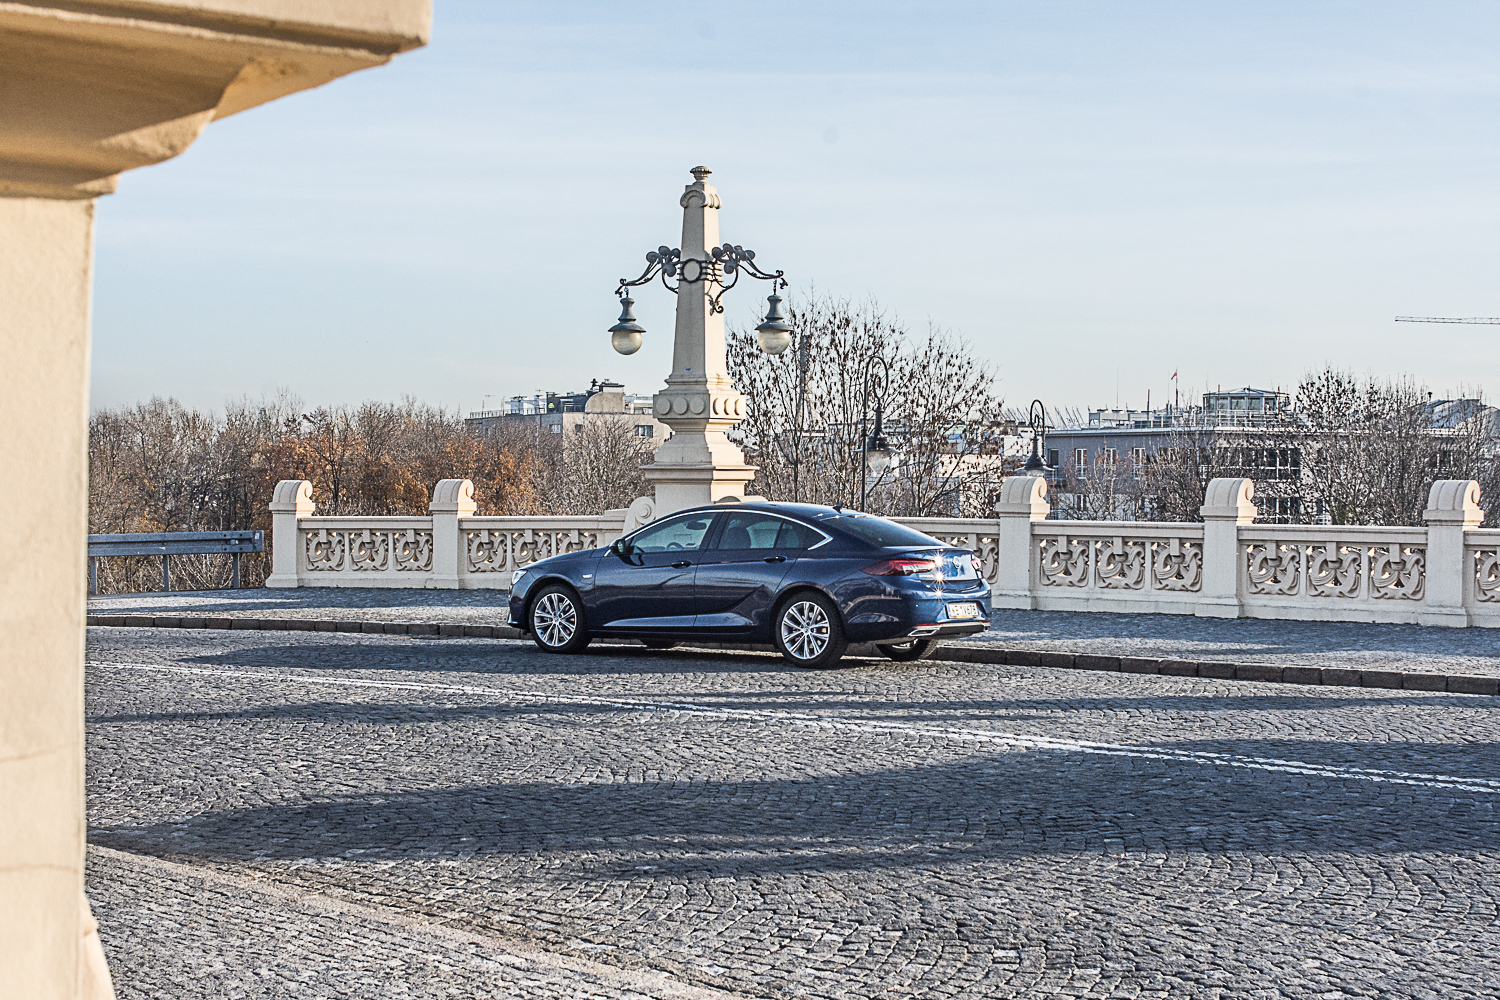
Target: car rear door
[(739, 575)]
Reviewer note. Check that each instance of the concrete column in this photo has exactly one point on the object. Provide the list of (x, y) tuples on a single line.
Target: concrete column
[(45, 260), (1227, 505), (87, 90), (1452, 509), (698, 464), (451, 499), (291, 500), (1022, 501)]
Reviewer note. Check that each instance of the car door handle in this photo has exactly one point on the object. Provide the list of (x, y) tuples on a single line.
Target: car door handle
[(681, 565), (775, 559)]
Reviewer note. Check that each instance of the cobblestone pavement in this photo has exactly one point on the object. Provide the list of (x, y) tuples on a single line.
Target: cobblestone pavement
[(731, 824), (1355, 646), (221, 934), (478, 607)]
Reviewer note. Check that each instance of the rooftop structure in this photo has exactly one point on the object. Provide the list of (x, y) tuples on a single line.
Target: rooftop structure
[(564, 412)]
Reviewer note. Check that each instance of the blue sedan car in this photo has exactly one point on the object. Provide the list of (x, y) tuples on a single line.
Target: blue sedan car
[(808, 578)]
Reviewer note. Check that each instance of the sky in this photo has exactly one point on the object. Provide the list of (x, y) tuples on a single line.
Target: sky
[(1093, 195)]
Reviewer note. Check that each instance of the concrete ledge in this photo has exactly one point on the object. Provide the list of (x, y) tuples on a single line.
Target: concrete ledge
[(1177, 668), (1379, 679), (1212, 669), (1302, 675), (1474, 685)]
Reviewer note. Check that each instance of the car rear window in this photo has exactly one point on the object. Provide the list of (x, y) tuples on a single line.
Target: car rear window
[(879, 531)]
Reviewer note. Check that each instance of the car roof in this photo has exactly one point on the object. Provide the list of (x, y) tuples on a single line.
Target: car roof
[(811, 511)]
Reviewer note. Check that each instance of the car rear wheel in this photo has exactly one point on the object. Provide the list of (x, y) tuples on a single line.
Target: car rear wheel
[(557, 624), (808, 632), (906, 652)]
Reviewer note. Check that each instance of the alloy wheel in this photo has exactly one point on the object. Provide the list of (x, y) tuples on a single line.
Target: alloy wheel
[(804, 630), (555, 620)]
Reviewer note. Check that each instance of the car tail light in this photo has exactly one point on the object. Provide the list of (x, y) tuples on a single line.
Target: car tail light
[(978, 566), (901, 567)]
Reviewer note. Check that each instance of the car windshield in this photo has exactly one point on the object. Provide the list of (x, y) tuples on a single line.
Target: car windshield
[(879, 531)]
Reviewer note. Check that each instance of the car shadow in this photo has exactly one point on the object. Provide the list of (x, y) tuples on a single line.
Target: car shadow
[(989, 807)]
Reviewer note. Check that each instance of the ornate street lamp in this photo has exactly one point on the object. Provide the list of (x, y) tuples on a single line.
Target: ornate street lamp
[(697, 463), (726, 262), (1037, 417)]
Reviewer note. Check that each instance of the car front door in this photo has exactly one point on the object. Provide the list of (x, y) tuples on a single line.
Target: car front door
[(647, 584), (738, 577)]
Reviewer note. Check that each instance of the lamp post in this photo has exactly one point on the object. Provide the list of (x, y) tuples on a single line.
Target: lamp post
[(875, 452), (1037, 417), (875, 455), (698, 464), (804, 360)]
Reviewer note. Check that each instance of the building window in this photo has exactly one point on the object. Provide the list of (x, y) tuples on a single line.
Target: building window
[(578, 428), (1080, 457), (645, 430), (1138, 456), (1280, 510), (1109, 456), (1052, 457), (555, 428)]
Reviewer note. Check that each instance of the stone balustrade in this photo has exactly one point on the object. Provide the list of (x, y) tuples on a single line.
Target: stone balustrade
[(451, 548), (1447, 573)]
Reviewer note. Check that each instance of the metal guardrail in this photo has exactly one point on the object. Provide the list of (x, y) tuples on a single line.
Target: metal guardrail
[(173, 543)]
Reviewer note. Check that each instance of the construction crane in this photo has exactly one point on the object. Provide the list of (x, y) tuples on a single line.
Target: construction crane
[(1487, 320)]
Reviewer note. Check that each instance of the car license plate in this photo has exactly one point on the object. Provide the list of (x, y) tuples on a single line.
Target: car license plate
[(964, 609)]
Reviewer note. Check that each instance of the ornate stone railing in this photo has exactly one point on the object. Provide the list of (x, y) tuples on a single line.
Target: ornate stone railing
[(1447, 573), (451, 548)]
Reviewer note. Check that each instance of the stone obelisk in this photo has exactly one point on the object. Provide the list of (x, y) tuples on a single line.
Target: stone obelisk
[(698, 464)]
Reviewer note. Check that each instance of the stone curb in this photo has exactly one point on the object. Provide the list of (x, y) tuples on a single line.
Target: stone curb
[(1215, 669)]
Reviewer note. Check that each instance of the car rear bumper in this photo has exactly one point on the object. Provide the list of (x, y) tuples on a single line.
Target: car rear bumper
[(949, 629)]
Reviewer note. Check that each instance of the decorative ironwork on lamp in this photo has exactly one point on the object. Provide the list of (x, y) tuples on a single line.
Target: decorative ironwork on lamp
[(724, 268)]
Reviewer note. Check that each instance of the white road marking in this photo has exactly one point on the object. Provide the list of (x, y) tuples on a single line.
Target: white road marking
[(1274, 764)]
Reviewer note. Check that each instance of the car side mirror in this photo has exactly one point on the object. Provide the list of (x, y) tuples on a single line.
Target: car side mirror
[(620, 547)]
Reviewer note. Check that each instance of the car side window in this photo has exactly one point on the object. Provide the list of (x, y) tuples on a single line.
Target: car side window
[(750, 530), (796, 536), (673, 536)]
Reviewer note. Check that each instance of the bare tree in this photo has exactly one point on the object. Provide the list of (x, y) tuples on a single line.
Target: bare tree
[(1106, 489), (940, 410), (600, 467), (1370, 451), (1349, 452), (158, 466)]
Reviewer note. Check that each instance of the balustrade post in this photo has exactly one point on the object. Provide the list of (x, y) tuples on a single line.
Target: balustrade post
[(451, 499), (1452, 508), (1022, 501), (1227, 504), (291, 501)]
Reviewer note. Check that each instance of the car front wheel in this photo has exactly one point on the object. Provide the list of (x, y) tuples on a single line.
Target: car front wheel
[(808, 632), (557, 624)]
